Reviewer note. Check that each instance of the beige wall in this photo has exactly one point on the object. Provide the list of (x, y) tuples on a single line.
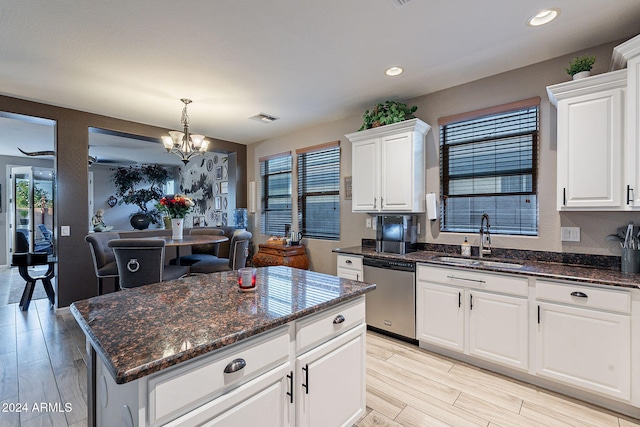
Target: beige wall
[(511, 86)]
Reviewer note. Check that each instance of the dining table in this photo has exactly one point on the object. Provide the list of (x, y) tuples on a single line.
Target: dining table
[(190, 240)]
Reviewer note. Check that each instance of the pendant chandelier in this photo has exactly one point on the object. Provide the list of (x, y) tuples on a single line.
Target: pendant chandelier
[(183, 144)]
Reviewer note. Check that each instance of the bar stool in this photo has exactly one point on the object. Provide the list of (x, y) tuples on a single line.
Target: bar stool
[(25, 260)]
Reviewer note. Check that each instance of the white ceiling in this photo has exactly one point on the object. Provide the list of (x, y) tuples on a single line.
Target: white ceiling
[(307, 62)]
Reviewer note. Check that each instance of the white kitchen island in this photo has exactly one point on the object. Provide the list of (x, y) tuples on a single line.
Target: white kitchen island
[(196, 351)]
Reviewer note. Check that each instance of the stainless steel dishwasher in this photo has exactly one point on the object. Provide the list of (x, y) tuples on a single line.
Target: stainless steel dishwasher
[(392, 306)]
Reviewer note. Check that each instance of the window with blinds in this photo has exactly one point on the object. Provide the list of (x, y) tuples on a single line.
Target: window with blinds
[(319, 191), (275, 195), (489, 164)]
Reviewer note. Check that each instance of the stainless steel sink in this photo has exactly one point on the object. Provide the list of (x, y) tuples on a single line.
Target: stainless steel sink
[(478, 262)]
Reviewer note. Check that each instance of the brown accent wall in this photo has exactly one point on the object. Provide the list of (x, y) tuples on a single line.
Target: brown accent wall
[(74, 272)]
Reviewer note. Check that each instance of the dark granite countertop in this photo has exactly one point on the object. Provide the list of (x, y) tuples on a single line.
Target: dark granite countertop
[(143, 330), (541, 269)]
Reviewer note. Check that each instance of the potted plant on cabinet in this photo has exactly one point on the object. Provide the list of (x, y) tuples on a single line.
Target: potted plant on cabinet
[(129, 181), (581, 66), (387, 113)]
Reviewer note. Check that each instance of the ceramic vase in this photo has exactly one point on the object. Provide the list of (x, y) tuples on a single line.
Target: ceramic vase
[(167, 222), (176, 228), (581, 75)]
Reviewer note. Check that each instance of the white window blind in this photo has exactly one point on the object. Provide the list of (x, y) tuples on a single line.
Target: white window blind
[(319, 191), (489, 164), (275, 195)]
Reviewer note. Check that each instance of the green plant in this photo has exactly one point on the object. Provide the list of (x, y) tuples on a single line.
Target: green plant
[(387, 113), (41, 197), (579, 64), (129, 181)]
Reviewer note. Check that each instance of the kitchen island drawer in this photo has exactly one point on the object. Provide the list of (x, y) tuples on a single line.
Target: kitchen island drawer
[(174, 392), (327, 324), (584, 296)]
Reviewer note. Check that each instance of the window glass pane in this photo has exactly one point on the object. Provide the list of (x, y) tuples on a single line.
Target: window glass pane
[(275, 195), (489, 165), (319, 193)]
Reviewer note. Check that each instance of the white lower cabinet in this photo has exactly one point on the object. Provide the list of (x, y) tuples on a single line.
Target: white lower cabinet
[(584, 337), (498, 328), (350, 267), (481, 314), (331, 385)]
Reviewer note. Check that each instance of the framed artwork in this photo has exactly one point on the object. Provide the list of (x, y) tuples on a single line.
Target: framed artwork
[(224, 187), (209, 165), (198, 221), (217, 203), (347, 188), (219, 172)]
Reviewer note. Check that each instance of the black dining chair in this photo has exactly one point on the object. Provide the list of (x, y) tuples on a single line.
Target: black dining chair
[(104, 261), (141, 262), (238, 253)]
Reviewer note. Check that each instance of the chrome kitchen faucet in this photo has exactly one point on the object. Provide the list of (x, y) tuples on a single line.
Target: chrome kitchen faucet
[(485, 236)]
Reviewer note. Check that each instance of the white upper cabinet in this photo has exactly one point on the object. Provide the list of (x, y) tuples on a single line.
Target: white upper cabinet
[(388, 168), (629, 53), (590, 140)]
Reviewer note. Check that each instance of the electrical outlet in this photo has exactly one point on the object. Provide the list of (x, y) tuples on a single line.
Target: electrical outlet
[(65, 230), (368, 223), (570, 234)]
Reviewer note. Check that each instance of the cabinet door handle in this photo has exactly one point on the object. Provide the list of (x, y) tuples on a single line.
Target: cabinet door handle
[(357, 276), (579, 294), (538, 315), (471, 301), (290, 393), (459, 299), (235, 366), (306, 379), (629, 189), (381, 203), (339, 319), (463, 278), (375, 200)]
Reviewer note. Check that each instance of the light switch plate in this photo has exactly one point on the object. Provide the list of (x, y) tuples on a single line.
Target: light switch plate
[(65, 230), (570, 234), (368, 223)]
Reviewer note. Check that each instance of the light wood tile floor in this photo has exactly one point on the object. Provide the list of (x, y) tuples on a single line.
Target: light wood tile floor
[(408, 386), (42, 362)]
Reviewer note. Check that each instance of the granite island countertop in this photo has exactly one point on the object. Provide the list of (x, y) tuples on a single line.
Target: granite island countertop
[(139, 331), (540, 269)]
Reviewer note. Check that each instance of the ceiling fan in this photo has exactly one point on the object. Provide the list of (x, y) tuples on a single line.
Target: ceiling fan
[(91, 159)]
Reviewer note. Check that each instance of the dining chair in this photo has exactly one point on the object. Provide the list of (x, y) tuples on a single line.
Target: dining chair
[(238, 252), (104, 261), (204, 251), (141, 262)]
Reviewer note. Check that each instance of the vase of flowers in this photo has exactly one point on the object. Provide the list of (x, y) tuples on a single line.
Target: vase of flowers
[(177, 206)]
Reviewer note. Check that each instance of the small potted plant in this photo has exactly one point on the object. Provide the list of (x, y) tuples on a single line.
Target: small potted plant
[(581, 66), (387, 113)]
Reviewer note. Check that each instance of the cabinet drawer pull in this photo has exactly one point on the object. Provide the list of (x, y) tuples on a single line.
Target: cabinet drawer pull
[(459, 299), (235, 366), (579, 294), (463, 278), (339, 319), (629, 189), (348, 262), (375, 199)]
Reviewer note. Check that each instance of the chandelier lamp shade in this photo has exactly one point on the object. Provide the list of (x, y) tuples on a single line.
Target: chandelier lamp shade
[(184, 144)]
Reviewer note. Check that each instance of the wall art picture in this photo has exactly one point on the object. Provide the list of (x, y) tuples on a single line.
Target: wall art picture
[(219, 172), (217, 203), (224, 187), (198, 221)]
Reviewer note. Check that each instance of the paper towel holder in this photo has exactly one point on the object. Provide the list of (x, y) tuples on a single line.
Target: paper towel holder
[(432, 206)]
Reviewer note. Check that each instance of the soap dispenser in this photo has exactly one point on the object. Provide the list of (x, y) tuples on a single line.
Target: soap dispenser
[(465, 247)]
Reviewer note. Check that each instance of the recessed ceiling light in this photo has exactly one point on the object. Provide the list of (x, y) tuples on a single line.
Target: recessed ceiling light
[(394, 71), (543, 17)]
